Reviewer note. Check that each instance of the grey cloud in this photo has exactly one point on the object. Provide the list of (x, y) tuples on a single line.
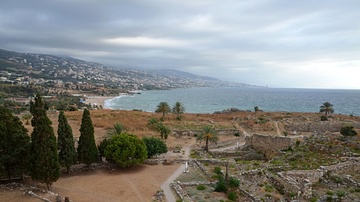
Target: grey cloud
[(273, 42)]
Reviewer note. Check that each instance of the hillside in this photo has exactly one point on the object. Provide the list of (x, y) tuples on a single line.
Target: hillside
[(39, 68)]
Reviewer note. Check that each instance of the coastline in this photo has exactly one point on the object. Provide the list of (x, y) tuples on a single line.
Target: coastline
[(98, 100)]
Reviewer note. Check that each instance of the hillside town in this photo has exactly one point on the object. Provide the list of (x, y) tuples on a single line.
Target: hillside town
[(65, 75)]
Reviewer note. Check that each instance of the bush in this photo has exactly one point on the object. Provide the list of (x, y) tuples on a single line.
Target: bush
[(217, 170), (232, 196), (348, 131), (323, 118), (154, 146), (233, 182), (221, 186), (200, 187), (237, 134), (126, 150)]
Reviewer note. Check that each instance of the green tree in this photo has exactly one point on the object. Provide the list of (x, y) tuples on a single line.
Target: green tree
[(117, 129), (67, 154), (126, 150), (164, 108), (348, 131), (44, 163), (87, 150), (154, 146), (209, 135), (14, 143), (178, 109), (327, 108)]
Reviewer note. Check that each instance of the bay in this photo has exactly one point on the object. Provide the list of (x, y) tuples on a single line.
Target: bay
[(209, 100)]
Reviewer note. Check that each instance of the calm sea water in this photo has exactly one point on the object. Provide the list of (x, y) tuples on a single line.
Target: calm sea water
[(209, 100)]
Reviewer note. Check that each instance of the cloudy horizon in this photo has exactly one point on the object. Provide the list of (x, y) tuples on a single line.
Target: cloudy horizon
[(278, 43)]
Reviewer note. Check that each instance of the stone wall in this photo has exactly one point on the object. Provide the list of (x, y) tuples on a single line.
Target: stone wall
[(180, 133), (319, 127), (270, 146), (350, 166)]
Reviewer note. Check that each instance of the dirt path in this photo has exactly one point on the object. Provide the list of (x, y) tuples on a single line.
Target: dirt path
[(277, 128), (166, 185), (237, 126)]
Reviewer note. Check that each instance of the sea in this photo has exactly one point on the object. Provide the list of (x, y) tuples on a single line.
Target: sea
[(210, 100)]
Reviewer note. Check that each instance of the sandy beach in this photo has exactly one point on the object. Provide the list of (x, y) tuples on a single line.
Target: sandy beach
[(98, 100)]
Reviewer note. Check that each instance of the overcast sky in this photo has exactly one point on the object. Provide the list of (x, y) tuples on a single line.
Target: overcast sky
[(279, 43)]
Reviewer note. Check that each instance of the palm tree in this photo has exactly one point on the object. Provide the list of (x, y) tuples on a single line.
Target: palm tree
[(327, 108), (163, 108), (119, 128), (178, 109), (208, 134), (164, 130)]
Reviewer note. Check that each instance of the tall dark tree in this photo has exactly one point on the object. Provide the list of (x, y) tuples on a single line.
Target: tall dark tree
[(164, 108), (14, 143), (327, 108), (44, 163), (87, 150), (67, 154), (178, 109)]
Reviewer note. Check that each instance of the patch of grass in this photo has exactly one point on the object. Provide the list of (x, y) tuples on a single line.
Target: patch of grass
[(269, 188), (330, 193), (200, 187)]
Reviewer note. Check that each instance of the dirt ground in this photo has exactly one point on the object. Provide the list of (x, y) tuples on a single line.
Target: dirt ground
[(134, 184)]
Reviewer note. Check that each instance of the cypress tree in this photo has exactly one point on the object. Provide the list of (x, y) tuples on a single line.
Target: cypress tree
[(87, 149), (67, 154), (14, 143), (44, 163)]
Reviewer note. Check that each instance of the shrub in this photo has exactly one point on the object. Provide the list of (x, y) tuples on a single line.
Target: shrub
[(348, 131), (126, 150), (200, 187), (323, 118), (221, 186), (237, 134), (340, 194), (154, 146), (232, 196), (292, 195), (233, 182), (217, 170)]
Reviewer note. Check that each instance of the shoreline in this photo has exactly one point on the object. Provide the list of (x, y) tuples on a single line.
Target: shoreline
[(99, 100)]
